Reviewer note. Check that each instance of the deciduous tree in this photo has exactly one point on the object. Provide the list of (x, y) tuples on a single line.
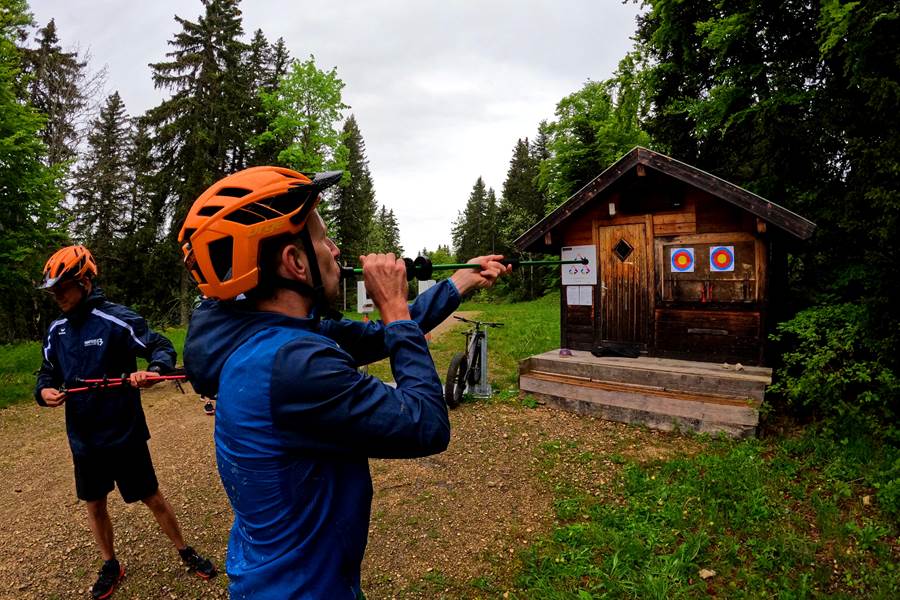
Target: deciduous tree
[(30, 226), (303, 113)]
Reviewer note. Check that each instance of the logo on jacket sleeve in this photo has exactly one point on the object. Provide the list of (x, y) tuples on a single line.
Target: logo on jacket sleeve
[(96, 342)]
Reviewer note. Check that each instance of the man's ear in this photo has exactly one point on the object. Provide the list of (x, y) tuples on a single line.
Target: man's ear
[(292, 263)]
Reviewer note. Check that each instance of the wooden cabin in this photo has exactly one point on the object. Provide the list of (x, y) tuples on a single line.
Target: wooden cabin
[(679, 282)]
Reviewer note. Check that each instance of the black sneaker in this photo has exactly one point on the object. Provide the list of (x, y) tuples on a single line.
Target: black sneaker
[(203, 567), (108, 577)]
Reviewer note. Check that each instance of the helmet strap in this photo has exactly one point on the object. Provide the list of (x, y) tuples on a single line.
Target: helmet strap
[(83, 287), (294, 285), (317, 289), (320, 302)]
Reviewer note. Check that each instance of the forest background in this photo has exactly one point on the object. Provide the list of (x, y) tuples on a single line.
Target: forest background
[(795, 101)]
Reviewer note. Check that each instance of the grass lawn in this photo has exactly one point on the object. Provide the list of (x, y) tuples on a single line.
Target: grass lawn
[(789, 518), (18, 364)]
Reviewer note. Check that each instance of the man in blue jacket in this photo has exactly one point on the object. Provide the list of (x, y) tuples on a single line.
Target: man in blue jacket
[(96, 339), (295, 420)]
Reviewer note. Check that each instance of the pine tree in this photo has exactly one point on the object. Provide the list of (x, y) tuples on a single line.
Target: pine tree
[(273, 63), (143, 237), (521, 206), (112, 215), (281, 62), (489, 229), (195, 127), (386, 233), (260, 73), (59, 88), (54, 92), (102, 188), (353, 206), (146, 210), (470, 227), (392, 233)]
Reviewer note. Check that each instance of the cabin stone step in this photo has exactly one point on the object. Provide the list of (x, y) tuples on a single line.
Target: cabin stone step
[(658, 373), (652, 406)]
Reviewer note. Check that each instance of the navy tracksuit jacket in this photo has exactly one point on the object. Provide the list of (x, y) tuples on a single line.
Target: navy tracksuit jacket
[(94, 340)]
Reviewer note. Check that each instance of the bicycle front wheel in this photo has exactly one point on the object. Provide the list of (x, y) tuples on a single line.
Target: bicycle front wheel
[(455, 385)]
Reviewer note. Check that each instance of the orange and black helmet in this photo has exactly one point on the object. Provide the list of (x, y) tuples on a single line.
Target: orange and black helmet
[(72, 263), (224, 228)]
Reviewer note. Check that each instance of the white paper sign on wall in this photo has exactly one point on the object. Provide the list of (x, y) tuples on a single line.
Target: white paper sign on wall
[(364, 304), (580, 274), (579, 295)]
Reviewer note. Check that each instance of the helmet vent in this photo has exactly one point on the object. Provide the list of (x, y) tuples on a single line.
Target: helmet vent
[(208, 211), (244, 216), (269, 208), (233, 192), (288, 203), (220, 254), (264, 210)]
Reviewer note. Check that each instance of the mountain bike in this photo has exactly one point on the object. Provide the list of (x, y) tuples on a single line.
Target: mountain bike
[(467, 369)]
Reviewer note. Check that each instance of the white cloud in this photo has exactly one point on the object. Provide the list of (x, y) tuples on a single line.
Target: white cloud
[(441, 90)]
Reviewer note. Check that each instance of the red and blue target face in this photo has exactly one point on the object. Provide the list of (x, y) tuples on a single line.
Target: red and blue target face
[(721, 258), (682, 260)]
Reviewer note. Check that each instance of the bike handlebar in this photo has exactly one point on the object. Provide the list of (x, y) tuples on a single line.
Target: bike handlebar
[(478, 323)]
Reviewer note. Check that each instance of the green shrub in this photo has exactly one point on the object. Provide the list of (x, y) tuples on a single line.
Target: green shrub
[(839, 368)]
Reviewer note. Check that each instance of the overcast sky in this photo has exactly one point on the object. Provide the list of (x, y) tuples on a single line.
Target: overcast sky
[(441, 90)]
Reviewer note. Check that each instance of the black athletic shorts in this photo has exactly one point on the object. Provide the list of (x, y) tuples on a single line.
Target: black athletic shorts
[(130, 468)]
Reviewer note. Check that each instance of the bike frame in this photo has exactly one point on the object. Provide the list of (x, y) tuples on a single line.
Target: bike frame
[(477, 345)]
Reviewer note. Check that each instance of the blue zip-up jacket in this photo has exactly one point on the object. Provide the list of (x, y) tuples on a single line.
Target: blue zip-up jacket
[(295, 426), (100, 339)]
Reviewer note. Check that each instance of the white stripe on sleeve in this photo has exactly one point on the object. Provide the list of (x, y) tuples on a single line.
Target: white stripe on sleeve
[(119, 322), (53, 326)]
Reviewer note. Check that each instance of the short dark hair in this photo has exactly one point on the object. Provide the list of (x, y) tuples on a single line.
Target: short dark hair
[(268, 262)]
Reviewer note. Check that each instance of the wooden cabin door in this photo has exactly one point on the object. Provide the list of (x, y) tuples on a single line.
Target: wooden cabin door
[(623, 312)]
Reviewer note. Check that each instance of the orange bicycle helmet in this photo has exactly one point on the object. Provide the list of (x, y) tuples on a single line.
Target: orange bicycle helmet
[(71, 263), (223, 230)]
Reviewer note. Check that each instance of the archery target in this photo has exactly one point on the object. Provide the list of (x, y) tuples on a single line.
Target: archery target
[(721, 258), (682, 260)]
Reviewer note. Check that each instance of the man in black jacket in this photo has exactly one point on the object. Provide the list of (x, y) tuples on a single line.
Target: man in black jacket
[(96, 339)]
